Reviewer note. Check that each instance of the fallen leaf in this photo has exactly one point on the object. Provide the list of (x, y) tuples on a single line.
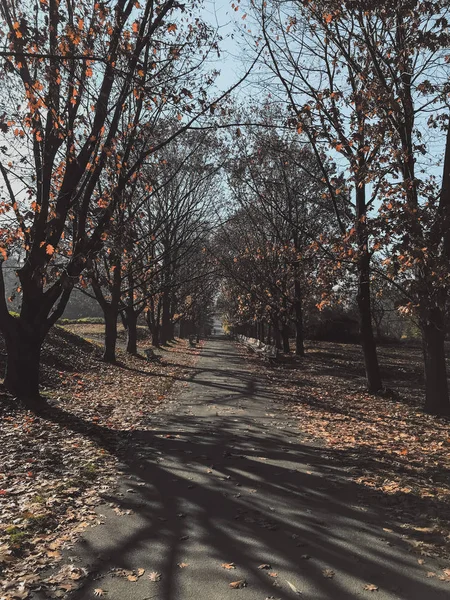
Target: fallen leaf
[(228, 566), (140, 572), (238, 584), (132, 578), (154, 576), (273, 574), (182, 565), (328, 573), (370, 587), (264, 566), (99, 592)]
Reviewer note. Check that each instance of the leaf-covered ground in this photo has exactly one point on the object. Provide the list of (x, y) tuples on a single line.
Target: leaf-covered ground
[(55, 469), (386, 443)]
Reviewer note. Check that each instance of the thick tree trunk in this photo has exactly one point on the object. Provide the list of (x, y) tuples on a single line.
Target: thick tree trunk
[(109, 354), (285, 335), (131, 318), (22, 368), (298, 308), (436, 385)]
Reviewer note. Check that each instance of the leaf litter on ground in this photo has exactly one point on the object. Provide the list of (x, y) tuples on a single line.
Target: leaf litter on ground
[(55, 471), (387, 443)]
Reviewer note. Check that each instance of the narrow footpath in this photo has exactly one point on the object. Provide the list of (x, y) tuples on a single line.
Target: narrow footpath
[(223, 486)]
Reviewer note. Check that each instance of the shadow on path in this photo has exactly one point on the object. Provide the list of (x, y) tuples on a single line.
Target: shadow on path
[(223, 477)]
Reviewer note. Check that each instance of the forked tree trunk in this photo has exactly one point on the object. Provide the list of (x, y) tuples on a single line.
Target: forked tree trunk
[(436, 384), (22, 367)]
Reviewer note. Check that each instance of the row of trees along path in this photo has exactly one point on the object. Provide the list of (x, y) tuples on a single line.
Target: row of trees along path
[(125, 172)]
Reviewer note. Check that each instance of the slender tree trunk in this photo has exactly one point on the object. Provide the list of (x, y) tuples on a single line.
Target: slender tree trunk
[(109, 354), (285, 336), (165, 320), (131, 317), (276, 334), (436, 385), (298, 308), (369, 348), (22, 367)]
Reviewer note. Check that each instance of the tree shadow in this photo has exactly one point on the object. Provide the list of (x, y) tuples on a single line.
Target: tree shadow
[(241, 487)]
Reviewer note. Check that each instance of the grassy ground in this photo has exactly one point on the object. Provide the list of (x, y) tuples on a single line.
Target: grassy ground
[(55, 468), (386, 443)]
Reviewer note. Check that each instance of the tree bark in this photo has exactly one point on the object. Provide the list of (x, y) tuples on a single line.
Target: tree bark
[(165, 319), (22, 367), (276, 334), (369, 348), (285, 336), (109, 354), (436, 384), (298, 308), (131, 317)]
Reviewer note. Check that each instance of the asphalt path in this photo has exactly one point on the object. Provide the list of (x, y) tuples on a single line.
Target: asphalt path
[(224, 478)]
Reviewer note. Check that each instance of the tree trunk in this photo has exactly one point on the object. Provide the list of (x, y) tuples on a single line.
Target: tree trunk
[(276, 335), (131, 318), (298, 308), (369, 348), (436, 384), (109, 354), (165, 320), (22, 367), (368, 344), (285, 335)]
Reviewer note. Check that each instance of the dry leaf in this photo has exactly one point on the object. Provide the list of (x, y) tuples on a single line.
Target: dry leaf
[(238, 584), (328, 573), (273, 574), (228, 565), (132, 578), (154, 576), (182, 565), (140, 572), (264, 566), (99, 592), (370, 587)]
